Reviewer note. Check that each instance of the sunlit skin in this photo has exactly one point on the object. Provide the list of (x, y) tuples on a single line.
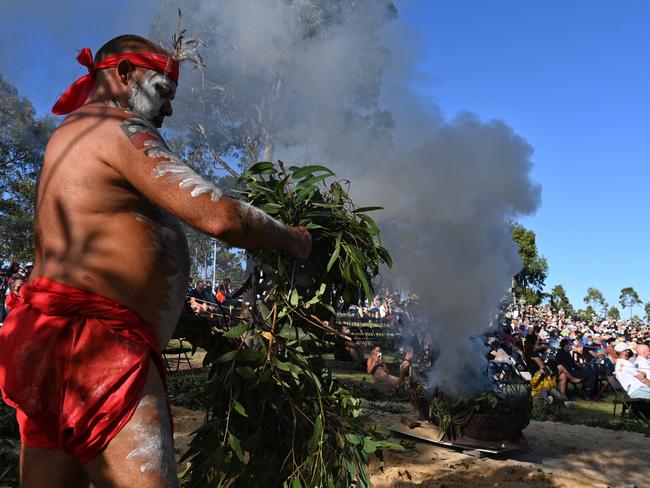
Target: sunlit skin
[(643, 351), (16, 285), (641, 376), (107, 221)]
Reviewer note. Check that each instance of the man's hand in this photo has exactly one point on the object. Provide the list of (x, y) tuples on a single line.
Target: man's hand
[(300, 246)]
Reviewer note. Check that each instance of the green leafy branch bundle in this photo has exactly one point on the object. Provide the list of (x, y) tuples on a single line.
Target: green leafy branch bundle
[(276, 416), (451, 414)]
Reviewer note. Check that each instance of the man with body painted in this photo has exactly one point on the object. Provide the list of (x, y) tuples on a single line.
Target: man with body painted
[(80, 355)]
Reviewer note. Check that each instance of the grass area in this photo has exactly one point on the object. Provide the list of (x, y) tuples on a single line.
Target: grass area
[(600, 414), (362, 385), (585, 410)]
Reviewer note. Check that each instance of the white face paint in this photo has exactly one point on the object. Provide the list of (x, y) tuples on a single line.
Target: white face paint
[(255, 214), (150, 94), (155, 448)]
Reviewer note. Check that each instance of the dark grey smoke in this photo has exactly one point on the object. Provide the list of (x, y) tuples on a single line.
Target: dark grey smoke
[(449, 187)]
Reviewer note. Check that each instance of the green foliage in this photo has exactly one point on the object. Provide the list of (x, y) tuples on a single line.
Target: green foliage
[(529, 282), (346, 253), (646, 309), (613, 313), (451, 413), (560, 301), (595, 298), (629, 298), (276, 415), (586, 315), (22, 144)]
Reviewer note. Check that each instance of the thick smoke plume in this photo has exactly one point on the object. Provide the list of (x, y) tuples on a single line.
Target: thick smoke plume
[(333, 82)]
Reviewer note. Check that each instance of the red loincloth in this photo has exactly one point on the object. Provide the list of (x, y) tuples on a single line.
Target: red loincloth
[(73, 364)]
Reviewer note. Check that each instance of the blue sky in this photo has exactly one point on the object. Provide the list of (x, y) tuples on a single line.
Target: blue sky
[(572, 78)]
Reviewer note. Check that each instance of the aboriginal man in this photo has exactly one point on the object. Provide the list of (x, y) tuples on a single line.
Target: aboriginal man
[(80, 355)]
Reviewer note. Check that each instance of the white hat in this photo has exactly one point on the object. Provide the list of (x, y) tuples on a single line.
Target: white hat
[(621, 346)]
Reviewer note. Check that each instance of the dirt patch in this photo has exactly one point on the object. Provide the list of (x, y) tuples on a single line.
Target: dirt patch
[(560, 455), (186, 421)]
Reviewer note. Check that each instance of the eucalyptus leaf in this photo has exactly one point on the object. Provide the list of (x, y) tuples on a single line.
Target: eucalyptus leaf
[(366, 209), (275, 381), (236, 331), (301, 172), (228, 356), (239, 408), (335, 254), (262, 168), (236, 447)]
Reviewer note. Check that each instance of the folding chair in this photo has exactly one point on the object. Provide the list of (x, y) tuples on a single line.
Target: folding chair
[(604, 384), (620, 397), (176, 355), (637, 407)]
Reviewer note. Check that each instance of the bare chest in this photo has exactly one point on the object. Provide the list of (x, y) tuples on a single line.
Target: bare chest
[(166, 256)]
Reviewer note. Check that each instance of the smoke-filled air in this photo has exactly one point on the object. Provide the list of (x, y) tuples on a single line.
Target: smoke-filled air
[(336, 82)]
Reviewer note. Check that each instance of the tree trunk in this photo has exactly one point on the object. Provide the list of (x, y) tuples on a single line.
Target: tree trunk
[(269, 147)]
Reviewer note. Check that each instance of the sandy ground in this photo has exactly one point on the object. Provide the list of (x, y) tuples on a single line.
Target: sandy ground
[(560, 455)]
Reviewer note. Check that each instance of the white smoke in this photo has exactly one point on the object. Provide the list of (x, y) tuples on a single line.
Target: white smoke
[(346, 99)]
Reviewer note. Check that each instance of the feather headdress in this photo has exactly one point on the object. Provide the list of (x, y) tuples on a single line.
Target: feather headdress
[(183, 48)]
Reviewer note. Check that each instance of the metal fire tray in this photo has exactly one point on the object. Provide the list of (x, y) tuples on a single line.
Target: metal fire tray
[(427, 432)]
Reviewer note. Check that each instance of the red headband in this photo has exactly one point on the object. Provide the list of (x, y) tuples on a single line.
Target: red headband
[(76, 94)]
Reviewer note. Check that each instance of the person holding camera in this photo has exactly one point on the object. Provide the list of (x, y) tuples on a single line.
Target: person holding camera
[(378, 369)]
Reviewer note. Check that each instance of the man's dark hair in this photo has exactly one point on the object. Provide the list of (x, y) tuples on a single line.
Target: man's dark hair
[(563, 343), (125, 44)]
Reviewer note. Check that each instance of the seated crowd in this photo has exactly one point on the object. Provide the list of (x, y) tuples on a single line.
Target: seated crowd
[(553, 351), (382, 307)]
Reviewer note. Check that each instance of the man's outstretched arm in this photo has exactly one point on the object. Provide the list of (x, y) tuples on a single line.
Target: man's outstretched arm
[(152, 168)]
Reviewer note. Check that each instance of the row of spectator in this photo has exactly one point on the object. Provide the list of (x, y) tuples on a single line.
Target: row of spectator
[(553, 351), (11, 281)]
